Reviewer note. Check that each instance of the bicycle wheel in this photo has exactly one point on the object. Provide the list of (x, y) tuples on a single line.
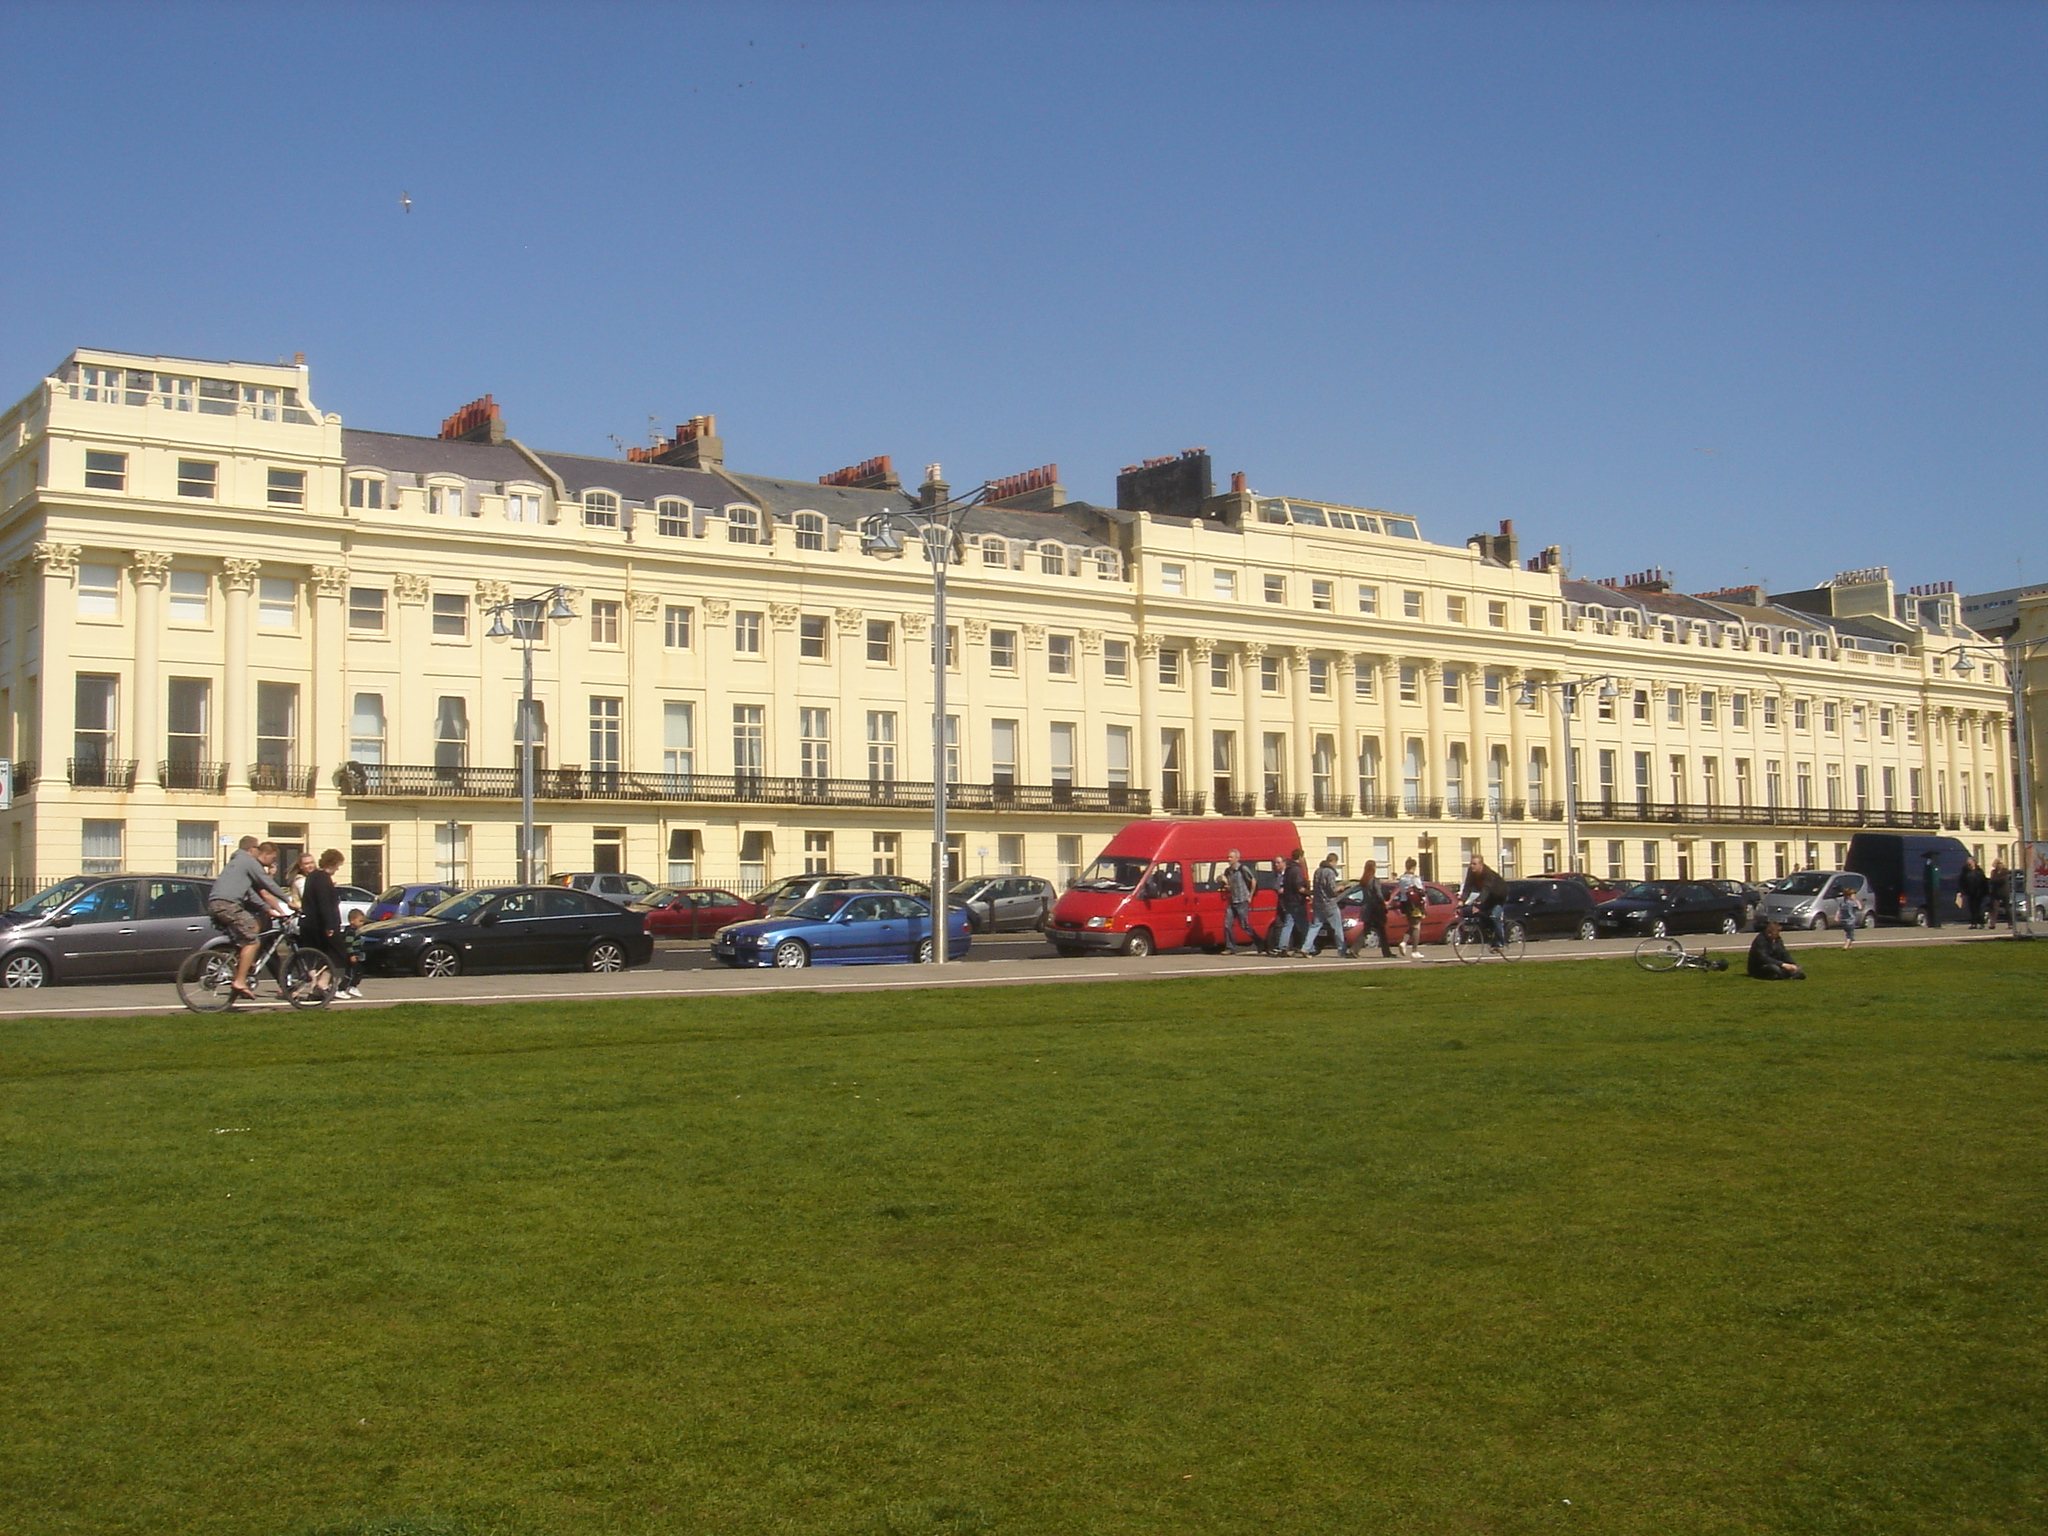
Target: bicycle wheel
[(1466, 943), (308, 981), (1660, 954), (206, 981), (1518, 940)]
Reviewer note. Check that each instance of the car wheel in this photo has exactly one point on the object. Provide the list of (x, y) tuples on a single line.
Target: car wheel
[(606, 957), (1588, 930), (924, 952), (792, 955), (1728, 924), (1139, 944), (26, 970), (1660, 929), (1920, 918), (440, 962)]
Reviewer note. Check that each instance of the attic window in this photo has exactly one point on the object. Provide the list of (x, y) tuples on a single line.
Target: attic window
[(672, 518), (1052, 559), (810, 530), (1108, 566), (995, 552), (600, 509), (743, 525)]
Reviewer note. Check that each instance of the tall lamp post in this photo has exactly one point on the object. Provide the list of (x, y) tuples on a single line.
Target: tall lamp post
[(937, 527), (2015, 652), (525, 619), (1568, 705)]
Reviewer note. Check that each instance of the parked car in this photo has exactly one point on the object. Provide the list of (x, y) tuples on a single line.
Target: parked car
[(696, 912), (409, 900), (1600, 890), (355, 899), (1660, 907), (104, 928), (1439, 912), (1550, 909), (1894, 864), (517, 927), (626, 890), (842, 927), (1004, 903), (1159, 885), (1811, 899), (1750, 896)]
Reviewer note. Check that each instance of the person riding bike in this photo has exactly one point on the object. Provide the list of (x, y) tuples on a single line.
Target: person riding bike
[(1486, 887), (232, 903)]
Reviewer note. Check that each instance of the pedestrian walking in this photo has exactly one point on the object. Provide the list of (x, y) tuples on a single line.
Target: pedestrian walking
[(1238, 885), (2000, 881), (320, 923), (1373, 913), (1325, 913), (1294, 889), (1851, 913), (1411, 902), (1975, 887)]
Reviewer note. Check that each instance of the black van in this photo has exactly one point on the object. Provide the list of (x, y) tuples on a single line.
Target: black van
[(1894, 864)]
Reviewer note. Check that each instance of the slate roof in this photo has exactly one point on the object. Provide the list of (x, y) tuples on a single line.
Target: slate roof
[(407, 455), (840, 504), (645, 483)]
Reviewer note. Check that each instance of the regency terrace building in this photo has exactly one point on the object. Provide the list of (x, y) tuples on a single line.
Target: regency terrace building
[(223, 612)]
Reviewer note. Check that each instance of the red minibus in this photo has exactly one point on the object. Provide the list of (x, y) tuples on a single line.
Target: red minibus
[(1159, 885)]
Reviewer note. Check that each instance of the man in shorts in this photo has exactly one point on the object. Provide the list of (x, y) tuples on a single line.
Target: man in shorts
[(246, 877)]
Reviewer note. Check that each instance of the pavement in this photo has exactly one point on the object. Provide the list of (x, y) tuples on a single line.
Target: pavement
[(684, 969)]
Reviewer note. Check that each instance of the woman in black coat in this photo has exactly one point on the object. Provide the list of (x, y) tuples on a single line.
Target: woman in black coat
[(320, 911)]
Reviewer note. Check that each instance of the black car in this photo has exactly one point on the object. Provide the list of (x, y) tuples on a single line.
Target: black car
[(1656, 908), (104, 928), (1002, 903), (1549, 909), (1750, 896), (515, 927)]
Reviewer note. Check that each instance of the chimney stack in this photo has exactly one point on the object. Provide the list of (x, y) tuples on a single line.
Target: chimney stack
[(934, 492), (476, 422), (696, 445)]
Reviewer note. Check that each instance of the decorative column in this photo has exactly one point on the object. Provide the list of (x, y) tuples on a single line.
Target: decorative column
[(237, 577), (1515, 785), (327, 741), (145, 736), (1302, 777), (409, 706), (1145, 769), (1344, 678), (57, 612), (1386, 683), (1248, 673), (1951, 727), (1201, 750), (1430, 679), (1554, 781)]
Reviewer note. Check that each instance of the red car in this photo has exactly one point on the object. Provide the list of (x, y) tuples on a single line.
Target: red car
[(1439, 912), (697, 912)]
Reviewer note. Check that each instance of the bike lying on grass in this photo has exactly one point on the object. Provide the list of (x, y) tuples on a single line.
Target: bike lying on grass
[(1670, 955), (304, 978)]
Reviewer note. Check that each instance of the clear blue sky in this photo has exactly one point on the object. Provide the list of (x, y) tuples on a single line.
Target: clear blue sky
[(1749, 292)]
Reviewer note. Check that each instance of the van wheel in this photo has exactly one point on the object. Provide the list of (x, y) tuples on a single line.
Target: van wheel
[(1139, 944), (1920, 918)]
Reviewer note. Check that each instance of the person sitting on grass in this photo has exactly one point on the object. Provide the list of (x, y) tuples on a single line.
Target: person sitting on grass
[(1768, 960)]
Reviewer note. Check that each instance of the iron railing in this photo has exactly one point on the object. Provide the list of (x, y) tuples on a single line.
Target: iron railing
[(101, 772), (210, 778), (1751, 815), (280, 779), (22, 778)]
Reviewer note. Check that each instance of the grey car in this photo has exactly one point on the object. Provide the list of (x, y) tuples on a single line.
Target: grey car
[(626, 890), (104, 928), (1813, 899), (1004, 903)]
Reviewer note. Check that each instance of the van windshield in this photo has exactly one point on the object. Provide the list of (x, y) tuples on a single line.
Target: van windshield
[(1107, 874), (1806, 883)]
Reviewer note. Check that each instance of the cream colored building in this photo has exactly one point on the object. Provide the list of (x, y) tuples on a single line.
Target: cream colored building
[(223, 612)]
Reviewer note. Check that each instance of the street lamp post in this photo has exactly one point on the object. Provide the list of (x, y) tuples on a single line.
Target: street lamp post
[(1568, 705), (523, 619), (936, 527), (2015, 652)]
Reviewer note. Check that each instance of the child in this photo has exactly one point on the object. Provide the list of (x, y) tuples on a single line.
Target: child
[(1852, 917), (351, 957)]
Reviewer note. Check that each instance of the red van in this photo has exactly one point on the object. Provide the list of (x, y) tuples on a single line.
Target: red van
[(1159, 885)]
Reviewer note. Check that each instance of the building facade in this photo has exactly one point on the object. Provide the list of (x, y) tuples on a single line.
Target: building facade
[(222, 611)]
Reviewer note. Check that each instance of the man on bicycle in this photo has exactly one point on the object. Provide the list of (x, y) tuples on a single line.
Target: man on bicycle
[(246, 878), (1490, 891)]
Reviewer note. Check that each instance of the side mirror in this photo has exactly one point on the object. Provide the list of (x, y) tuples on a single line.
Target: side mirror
[(488, 918), (61, 920)]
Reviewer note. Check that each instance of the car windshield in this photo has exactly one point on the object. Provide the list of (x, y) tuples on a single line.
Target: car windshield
[(54, 897), (1645, 891), (1107, 874), (819, 909), (967, 890), (1806, 883), (460, 909)]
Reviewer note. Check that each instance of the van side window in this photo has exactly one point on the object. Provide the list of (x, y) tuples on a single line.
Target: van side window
[(1208, 874), (1165, 881)]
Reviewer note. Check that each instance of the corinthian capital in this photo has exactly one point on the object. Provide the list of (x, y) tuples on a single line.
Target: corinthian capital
[(239, 575), (56, 559), (150, 565)]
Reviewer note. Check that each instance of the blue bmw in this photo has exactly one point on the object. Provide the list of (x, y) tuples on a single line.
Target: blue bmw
[(841, 928)]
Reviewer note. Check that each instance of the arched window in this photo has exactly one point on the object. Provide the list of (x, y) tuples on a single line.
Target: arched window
[(810, 530), (743, 525), (672, 518), (1109, 565), (996, 552), (600, 509), (1052, 559)]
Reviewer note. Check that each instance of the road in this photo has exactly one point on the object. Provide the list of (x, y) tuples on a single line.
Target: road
[(687, 970)]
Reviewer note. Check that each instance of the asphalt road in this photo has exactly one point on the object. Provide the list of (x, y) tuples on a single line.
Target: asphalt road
[(687, 970)]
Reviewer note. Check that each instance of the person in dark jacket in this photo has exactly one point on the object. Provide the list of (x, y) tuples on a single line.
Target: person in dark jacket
[(1238, 885), (1975, 887), (1294, 886), (1768, 960), (320, 923), (1930, 889), (1373, 913), (1325, 889), (2000, 881), (1490, 891)]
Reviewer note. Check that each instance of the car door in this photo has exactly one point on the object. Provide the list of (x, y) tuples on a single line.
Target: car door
[(103, 934), (513, 937), (566, 927), (174, 923), (866, 927)]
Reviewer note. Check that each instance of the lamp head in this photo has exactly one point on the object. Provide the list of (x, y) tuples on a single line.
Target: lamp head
[(561, 608), (1528, 692), (880, 538), (499, 629)]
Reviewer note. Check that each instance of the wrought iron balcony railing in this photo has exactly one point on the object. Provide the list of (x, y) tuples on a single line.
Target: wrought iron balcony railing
[(1647, 811), (102, 772), (280, 779), (209, 778)]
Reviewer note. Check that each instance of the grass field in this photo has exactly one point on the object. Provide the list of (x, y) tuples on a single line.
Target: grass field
[(1343, 1249)]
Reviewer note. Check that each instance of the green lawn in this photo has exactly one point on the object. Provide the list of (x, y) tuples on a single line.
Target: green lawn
[(1343, 1249)]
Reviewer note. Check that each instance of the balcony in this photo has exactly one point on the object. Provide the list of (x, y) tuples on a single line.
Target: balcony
[(281, 779), (101, 772), (207, 778), (1644, 812), (22, 779), (1174, 802), (394, 781)]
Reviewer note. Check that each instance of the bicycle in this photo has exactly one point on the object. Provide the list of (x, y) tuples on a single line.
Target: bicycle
[(206, 979), (1471, 942), (1670, 955)]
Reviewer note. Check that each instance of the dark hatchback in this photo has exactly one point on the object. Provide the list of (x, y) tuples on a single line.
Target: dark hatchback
[(1655, 908), (1550, 909), (511, 928)]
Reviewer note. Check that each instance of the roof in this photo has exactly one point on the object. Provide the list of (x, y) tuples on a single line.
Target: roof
[(432, 455), (839, 503), (637, 482)]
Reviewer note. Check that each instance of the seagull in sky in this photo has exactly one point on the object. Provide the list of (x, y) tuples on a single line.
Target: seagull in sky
[(405, 201)]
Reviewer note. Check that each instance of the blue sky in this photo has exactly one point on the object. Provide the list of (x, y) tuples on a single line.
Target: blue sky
[(1748, 292)]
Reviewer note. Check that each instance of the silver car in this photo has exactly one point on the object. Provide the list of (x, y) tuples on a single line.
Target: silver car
[(1813, 899), (104, 928)]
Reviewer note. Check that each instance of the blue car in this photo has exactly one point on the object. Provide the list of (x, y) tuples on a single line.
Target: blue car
[(410, 900), (841, 928)]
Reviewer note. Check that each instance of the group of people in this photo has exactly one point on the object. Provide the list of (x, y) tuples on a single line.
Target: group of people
[(1985, 893), (247, 890), (1310, 904)]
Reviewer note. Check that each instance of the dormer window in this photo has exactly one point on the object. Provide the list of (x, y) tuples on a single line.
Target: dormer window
[(366, 492), (522, 506), (743, 525), (810, 530), (444, 500), (600, 509), (996, 552), (672, 518), (1109, 566), (1052, 559)]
